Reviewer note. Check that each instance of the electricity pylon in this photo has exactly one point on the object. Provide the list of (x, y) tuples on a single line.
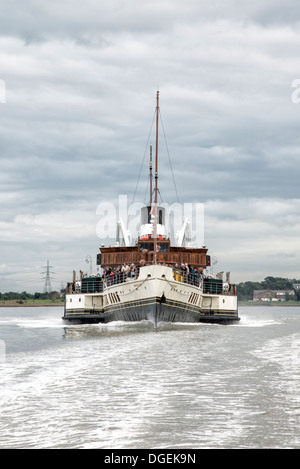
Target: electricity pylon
[(48, 287)]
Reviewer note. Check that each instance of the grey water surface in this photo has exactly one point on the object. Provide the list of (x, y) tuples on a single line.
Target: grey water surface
[(128, 385)]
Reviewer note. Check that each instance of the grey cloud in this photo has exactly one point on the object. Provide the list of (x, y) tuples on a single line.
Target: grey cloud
[(89, 23), (80, 102)]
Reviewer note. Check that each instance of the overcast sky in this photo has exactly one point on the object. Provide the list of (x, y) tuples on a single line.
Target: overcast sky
[(79, 82)]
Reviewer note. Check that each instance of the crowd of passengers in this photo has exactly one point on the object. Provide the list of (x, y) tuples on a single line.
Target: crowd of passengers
[(188, 274), (184, 273), (120, 274)]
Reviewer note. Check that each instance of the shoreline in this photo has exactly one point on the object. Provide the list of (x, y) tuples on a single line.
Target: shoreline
[(14, 304), (269, 303)]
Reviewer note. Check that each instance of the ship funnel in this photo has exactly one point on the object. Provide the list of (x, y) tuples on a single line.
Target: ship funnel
[(147, 221)]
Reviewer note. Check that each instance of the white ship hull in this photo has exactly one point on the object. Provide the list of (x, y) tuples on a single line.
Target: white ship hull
[(156, 296)]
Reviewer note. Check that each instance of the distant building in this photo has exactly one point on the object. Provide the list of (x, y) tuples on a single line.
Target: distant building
[(296, 287), (273, 295)]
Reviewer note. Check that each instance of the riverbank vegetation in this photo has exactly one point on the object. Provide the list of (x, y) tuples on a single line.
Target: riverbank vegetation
[(245, 289), (27, 299)]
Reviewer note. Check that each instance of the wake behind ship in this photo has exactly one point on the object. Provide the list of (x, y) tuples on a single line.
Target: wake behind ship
[(151, 279)]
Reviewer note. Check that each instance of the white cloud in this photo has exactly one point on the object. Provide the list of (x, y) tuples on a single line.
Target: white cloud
[(48, 227)]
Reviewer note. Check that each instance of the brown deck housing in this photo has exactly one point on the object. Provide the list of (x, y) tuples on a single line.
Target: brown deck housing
[(142, 254)]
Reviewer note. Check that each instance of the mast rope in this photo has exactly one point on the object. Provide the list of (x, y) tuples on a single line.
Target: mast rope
[(142, 164), (162, 125), (143, 161)]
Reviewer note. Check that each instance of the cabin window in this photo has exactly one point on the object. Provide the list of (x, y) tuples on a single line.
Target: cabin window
[(163, 247), (149, 246)]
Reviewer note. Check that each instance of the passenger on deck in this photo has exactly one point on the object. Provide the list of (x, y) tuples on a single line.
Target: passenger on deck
[(125, 268), (132, 271)]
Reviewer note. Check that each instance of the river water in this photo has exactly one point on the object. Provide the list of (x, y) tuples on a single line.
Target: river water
[(129, 386)]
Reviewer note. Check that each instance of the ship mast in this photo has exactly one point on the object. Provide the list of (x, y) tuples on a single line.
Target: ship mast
[(150, 167), (156, 178)]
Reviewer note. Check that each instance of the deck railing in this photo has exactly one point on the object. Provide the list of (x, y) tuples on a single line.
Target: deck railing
[(97, 284), (186, 277), (206, 284)]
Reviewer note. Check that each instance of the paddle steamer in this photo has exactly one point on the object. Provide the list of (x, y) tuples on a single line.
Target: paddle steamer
[(152, 279)]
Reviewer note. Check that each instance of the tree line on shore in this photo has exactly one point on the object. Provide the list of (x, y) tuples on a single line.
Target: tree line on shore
[(245, 289), (23, 296)]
